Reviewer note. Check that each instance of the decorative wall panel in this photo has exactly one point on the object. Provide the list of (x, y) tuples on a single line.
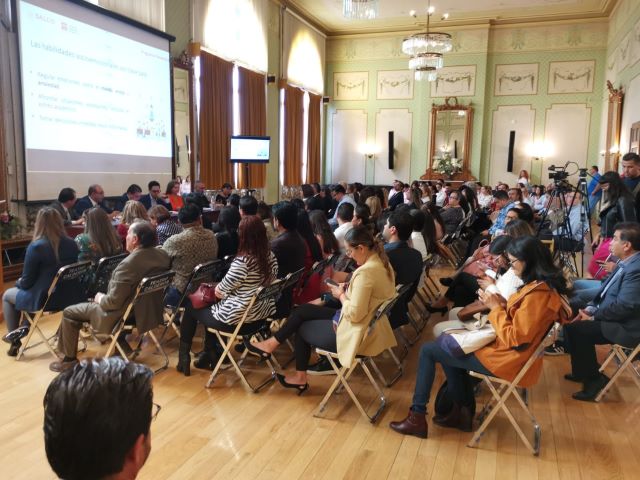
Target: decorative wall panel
[(349, 135), (518, 118), (399, 121)]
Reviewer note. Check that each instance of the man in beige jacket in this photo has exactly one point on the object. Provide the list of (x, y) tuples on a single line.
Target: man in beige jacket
[(104, 311)]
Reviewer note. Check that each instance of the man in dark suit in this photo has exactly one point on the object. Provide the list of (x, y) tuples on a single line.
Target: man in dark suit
[(612, 317), (105, 309), (95, 197), (133, 193), (154, 197), (406, 261), (64, 205), (288, 247)]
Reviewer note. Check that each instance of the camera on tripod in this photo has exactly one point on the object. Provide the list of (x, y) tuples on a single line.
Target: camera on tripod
[(558, 173)]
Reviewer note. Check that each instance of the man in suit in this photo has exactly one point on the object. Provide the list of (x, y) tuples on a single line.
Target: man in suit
[(94, 198), (64, 205), (612, 317), (105, 309), (133, 193), (406, 261), (288, 247), (631, 178), (154, 197)]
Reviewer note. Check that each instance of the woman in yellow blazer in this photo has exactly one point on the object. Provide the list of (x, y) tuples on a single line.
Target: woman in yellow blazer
[(520, 326), (341, 331)]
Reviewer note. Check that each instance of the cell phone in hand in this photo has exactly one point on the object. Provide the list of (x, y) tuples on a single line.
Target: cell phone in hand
[(331, 283), (490, 273)]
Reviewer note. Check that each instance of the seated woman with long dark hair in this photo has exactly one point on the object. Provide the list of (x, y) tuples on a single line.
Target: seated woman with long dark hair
[(49, 250), (99, 238), (227, 237), (520, 326), (253, 267), (324, 234), (312, 288), (342, 330)]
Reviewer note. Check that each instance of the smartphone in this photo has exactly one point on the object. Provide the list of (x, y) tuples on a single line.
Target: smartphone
[(330, 282), (490, 273)]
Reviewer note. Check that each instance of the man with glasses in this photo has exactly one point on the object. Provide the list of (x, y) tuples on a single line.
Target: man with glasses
[(94, 198), (613, 316), (452, 214), (97, 419), (154, 197)]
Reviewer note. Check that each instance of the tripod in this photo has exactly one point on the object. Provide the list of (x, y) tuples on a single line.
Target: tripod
[(566, 242)]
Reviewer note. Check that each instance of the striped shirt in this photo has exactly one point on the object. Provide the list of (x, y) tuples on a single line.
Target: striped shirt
[(238, 286), (166, 229)]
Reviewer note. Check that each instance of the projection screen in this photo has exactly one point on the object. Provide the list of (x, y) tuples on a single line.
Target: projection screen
[(96, 99)]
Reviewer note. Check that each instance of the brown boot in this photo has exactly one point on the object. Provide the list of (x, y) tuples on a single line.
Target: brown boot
[(415, 424), (460, 417)]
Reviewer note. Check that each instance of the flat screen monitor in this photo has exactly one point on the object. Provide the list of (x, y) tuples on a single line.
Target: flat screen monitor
[(249, 149)]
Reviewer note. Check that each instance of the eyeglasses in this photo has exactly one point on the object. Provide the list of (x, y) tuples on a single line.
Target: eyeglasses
[(511, 262), (349, 251), (156, 410)]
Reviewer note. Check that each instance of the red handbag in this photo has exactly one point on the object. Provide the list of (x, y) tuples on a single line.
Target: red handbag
[(204, 296)]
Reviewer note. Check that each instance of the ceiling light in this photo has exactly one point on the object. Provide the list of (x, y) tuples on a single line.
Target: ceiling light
[(426, 49), (360, 9)]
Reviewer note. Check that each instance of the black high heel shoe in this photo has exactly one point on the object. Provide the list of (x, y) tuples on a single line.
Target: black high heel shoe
[(432, 309), (255, 350), (184, 359), (301, 388)]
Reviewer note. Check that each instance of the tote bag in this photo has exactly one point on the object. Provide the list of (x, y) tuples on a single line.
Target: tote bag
[(459, 342)]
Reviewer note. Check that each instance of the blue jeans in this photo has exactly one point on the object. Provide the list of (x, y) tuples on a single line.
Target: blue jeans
[(456, 370), (584, 290)]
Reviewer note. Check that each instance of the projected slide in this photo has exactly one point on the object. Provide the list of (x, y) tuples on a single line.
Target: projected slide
[(96, 86)]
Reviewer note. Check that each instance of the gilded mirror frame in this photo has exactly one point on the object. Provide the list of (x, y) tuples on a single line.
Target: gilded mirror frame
[(451, 104), (614, 125)]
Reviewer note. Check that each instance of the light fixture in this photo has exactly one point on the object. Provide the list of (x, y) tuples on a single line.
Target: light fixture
[(426, 49), (360, 9)]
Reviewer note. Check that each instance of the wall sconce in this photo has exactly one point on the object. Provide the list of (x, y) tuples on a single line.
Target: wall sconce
[(539, 150), (369, 150)]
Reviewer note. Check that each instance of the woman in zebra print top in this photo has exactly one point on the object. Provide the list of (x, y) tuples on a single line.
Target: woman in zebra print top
[(254, 266)]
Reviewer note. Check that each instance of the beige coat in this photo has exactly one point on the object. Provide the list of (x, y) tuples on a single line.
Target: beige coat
[(140, 263), (370, 286)]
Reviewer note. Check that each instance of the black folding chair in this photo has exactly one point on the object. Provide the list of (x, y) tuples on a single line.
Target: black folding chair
[(66, 274), (156, 286), (228, 339), (201, 273), (104, 270)]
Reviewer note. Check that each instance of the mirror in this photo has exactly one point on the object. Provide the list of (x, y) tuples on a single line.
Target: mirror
[(450, 145), (614, 120)]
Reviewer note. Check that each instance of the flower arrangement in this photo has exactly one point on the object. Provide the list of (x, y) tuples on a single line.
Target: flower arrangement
[(9, 226), (447, 165)]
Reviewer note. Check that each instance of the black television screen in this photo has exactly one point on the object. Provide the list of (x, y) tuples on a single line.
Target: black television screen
[(248, 149)]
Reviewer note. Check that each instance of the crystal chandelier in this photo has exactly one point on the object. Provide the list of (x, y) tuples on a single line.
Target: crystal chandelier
[(360, 9), (426, 50)]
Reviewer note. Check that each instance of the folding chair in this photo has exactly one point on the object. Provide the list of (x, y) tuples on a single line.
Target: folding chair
[(68, 273), (505, 390), (344, 372), (104, 270), (227, 339), (157, 286), (625, 357), (201, 273), (402, 291)]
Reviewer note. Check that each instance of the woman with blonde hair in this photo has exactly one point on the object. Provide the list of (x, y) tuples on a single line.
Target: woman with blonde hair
[(132, 211), (375, 208), (99, 238), (341, 331), (49, 250)]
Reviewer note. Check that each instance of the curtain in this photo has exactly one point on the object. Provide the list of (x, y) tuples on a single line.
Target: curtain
[(253, 121), (293, 132), (216, 120), (149, 12), (303, 53), (313, 138)]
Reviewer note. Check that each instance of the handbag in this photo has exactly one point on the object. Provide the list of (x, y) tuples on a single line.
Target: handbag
[(600, 255), (482, 260), (204, 296), (459, 342), (470, 310)]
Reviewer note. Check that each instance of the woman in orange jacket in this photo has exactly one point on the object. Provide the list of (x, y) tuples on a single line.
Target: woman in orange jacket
[(520, 325)]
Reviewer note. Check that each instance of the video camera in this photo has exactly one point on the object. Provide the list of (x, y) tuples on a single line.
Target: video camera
[(558, 173)]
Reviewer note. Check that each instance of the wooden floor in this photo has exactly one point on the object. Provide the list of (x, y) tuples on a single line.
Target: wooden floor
[(225, 432)]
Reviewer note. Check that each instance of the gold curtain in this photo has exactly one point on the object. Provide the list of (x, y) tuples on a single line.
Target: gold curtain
[(253, 121), (293, 132), (3, 171), (216, 120), (313, 138)]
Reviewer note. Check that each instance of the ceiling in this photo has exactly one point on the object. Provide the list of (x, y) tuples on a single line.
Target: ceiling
[(394, 14)]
